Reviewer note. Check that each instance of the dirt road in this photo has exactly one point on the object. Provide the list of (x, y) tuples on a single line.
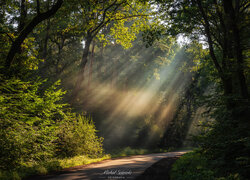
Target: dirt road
[(121, 168)]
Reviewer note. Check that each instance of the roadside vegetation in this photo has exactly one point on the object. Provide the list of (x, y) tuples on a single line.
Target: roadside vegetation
[(50, 166), (195, 166), (39, 133), (128, 151)]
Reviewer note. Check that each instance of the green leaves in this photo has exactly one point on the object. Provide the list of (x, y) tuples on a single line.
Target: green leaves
[(25, 127), (33, 121), (123, 23), (192, 166), (77, 136)]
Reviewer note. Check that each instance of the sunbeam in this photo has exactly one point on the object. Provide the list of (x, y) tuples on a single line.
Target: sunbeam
[(125, 103)]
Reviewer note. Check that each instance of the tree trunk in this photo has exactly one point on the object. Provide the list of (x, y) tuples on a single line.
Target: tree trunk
[(114, 73), (210, 41), (46, 38), (233, 20), (23, 15), (102, 60), (80, 76), (59, 55), (240, 88), (91, 64)]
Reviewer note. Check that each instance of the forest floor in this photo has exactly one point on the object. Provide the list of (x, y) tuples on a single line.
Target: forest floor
[(119, 168)]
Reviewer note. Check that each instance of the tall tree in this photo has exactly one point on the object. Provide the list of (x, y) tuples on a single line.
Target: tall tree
[(223, 27), (98, 14)]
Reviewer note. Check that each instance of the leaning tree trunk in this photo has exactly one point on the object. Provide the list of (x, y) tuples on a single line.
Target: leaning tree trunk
[(16, 45)]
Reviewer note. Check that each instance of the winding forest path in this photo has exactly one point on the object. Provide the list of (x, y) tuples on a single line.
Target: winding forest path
[(120, 168)]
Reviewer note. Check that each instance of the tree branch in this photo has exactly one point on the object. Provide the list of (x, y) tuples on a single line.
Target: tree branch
[(103, 22), (127, 17), (11, 39)]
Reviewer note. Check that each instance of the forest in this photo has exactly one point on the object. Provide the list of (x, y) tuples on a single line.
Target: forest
[(83, 81)]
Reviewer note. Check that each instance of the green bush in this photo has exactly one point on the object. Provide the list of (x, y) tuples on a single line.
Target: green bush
[(35, 126), (28, 122), (191, 166), (226, 138), (227, 146), (196, 166), (78, 137)]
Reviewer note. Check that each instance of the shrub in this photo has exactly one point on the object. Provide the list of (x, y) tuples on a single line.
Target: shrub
[(78, 137), (35, 126), (28, 122), (191, 166), (196, 166)]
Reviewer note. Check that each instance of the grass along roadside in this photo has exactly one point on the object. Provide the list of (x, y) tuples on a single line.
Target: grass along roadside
[(29, 169), (128, 151)]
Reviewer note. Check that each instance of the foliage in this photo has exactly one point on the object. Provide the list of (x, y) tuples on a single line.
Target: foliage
[(128, 151), (78, 138), (227, 141), (33, 120), (191, 166), (195, 166), (49, 166), (221, 25), (26, 122)]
